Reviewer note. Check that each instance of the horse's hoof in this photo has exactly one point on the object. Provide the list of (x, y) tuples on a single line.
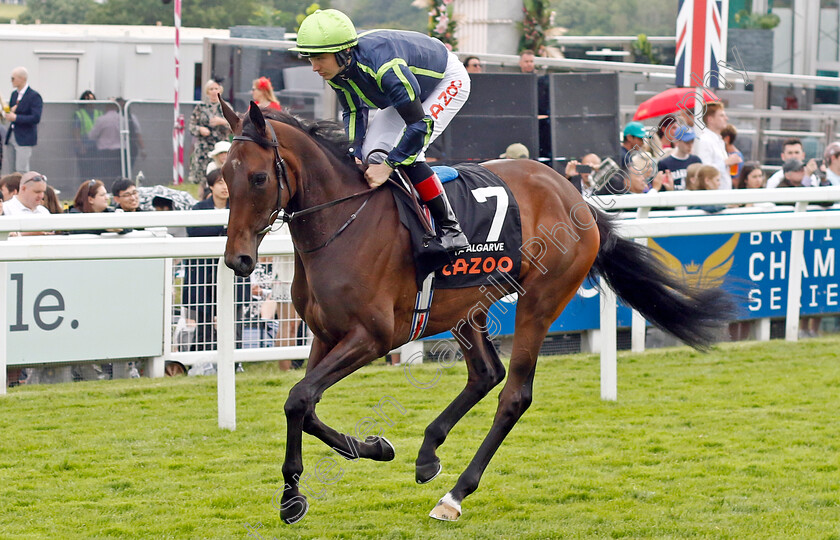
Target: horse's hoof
[(447, 509), (292, 513), (424, 474), (385, 446)]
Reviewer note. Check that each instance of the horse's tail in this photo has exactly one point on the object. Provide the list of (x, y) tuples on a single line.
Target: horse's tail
[(644, 283)]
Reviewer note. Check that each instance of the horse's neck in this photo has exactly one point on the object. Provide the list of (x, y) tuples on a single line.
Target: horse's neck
[(323, 179)]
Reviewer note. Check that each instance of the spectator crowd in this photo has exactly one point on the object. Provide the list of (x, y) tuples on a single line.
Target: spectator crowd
[(97, 143)]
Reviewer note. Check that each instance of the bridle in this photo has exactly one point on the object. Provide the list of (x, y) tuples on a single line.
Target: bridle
[(283, 183), (279, 172)]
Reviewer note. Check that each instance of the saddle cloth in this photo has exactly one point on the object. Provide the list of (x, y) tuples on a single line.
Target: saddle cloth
[(489, 216)]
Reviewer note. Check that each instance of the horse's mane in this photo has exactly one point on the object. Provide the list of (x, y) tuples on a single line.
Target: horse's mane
[(327, 133)]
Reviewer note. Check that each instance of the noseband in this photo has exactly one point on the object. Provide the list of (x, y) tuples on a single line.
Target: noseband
[(279, 173)]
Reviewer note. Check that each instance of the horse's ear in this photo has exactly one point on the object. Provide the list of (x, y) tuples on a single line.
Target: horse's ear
[(257, 118), (232, 118)]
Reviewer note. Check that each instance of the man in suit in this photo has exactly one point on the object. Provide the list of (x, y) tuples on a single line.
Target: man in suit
[(25, 106)]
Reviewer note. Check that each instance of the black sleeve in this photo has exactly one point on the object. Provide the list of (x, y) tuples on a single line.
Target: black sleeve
[(412, 112)]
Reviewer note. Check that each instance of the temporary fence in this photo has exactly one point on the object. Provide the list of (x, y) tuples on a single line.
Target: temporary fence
[(67, 156)]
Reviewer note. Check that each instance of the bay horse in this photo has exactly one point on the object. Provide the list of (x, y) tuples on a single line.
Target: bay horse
[(355, 287)]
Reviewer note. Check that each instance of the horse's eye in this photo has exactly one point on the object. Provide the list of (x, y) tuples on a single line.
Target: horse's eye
[(258, 179)]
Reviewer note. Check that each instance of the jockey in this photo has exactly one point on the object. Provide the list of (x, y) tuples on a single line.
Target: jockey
[(413, 78)]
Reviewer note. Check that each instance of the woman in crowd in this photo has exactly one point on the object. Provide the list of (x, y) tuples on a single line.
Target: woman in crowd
[(691, 176), (643, 177), (51, 201), (263, 94), (751, 176), (708, 179), (91, 197), (208, 126), (218, 156)]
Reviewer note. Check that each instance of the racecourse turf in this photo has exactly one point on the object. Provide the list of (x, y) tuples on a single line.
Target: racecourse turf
[(738, 443)]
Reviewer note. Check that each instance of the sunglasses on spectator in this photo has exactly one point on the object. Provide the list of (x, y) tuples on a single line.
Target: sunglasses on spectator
[(39, 178)]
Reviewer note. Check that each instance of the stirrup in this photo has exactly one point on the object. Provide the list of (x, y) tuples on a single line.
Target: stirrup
[(453, 239)]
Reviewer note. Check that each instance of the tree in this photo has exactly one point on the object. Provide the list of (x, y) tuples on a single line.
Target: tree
[(611, 18), (198, 13), (537, 17), (388, 14), (57, 11)]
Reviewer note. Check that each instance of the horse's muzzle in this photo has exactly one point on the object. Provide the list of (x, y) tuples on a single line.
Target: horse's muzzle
[(242, 265)]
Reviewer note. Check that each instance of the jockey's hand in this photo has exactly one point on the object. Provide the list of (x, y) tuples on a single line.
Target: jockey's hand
[(377, 174)]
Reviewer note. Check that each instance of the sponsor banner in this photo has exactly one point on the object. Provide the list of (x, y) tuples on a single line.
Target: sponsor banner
[(752, 266), (64, 311)]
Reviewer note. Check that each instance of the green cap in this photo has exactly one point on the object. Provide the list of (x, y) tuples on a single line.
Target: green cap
[(637, 129), (325, 31)]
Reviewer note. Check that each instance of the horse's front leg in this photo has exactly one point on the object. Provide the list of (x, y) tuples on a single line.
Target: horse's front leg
[(293, 504), (355, 350)]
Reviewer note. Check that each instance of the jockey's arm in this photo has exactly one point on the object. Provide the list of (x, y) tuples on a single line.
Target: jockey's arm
[(403, 92), (355, 117), (418, 129)]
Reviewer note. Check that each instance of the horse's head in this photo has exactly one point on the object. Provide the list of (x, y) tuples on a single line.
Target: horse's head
[(258, 183)]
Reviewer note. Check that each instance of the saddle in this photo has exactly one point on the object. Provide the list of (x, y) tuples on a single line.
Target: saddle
[(489, 216)]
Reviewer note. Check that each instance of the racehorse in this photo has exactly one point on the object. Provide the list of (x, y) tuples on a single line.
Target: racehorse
[(354, 284)]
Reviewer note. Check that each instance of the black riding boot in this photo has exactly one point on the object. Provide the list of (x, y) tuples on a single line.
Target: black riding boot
[(431, 192), (452, 238)]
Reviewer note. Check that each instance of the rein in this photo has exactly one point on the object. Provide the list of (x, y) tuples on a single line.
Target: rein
[(287, 217), (283, 181)]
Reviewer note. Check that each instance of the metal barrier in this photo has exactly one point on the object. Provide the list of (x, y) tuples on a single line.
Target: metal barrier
[(151, 123), (252, 336), (68, 157)]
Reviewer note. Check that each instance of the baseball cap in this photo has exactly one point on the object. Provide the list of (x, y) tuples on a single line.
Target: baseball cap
[(516, 151), (636, 129), (792, 165), (684, 134)]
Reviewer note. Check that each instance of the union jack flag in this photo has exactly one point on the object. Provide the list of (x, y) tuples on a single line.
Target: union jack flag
[(701, 42)]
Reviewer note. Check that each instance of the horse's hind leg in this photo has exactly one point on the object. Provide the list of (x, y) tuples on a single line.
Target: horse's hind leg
[(514, 399), (484, 371), (547, 295)]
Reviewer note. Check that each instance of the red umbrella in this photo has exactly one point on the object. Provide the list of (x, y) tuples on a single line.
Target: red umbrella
[(671, 101)]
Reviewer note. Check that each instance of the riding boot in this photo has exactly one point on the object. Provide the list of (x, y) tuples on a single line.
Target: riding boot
[(452, 238), (431, 192)]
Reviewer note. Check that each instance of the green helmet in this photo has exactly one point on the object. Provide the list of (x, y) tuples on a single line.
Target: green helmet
[(325, 31)]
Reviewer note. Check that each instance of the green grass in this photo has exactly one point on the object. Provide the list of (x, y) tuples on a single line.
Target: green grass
[(739, 443)]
